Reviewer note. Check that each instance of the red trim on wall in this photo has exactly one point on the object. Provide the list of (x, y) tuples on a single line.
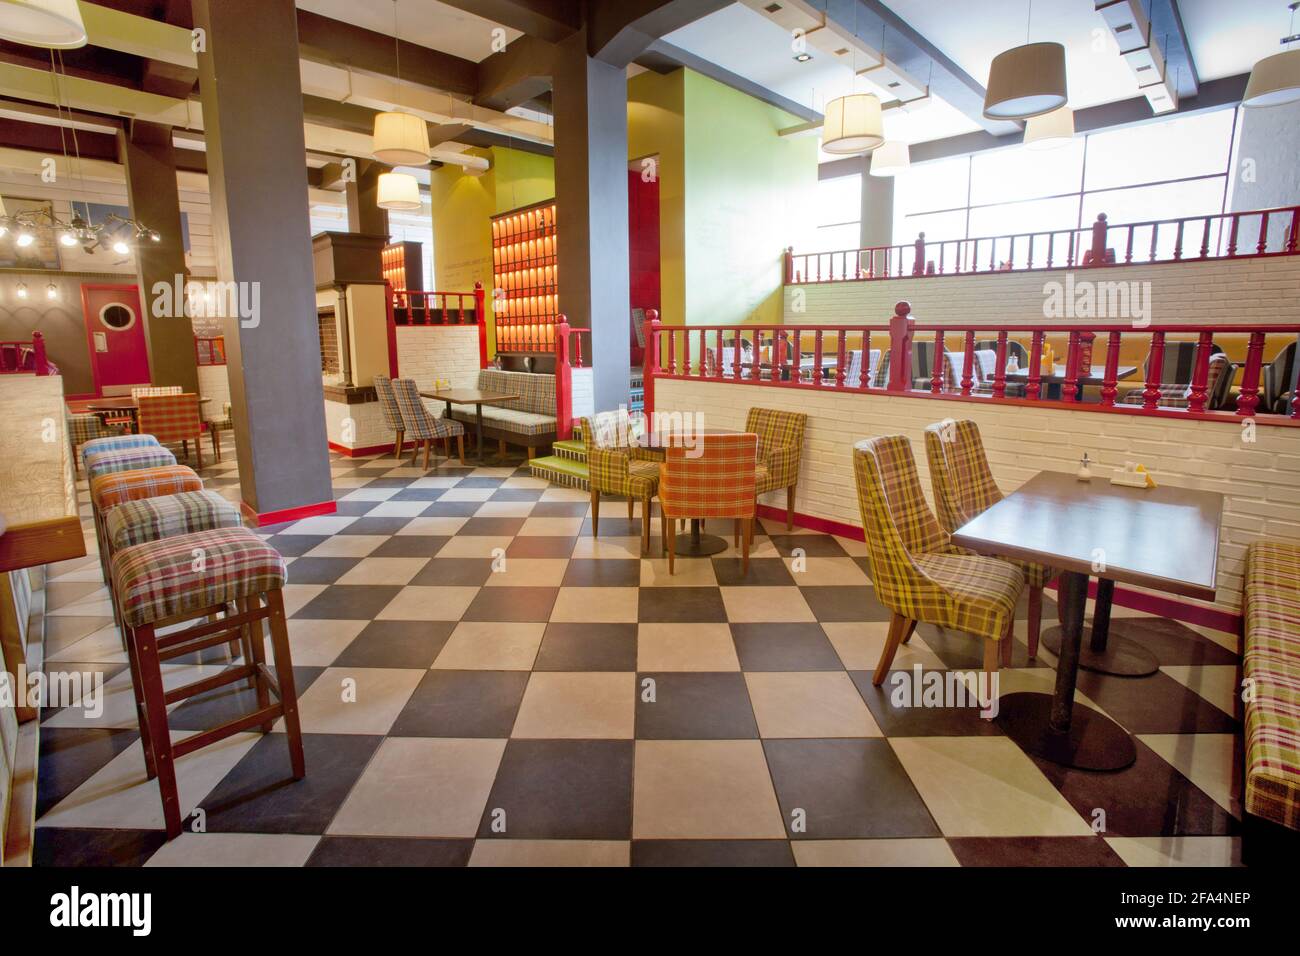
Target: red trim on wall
[(367, 450), (285, 514), (813, 523)]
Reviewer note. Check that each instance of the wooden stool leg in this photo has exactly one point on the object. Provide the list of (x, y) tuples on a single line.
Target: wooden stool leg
[(744, 556), (460, 448), (284, 677), (595, 510), (137, 688), (156, 719), (259, 659), (672, 554), (735, 533), (198, 450), (216, 444), (1035, 619)]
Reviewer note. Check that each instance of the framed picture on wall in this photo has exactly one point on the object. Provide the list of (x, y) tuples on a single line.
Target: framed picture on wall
[(41, 254)]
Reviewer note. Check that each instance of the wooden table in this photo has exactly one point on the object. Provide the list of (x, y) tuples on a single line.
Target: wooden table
[(1095, 375), (695, 543), (1165, 538), (477, 397)]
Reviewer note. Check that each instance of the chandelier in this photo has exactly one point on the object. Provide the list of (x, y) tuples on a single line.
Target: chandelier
[(115, 232)]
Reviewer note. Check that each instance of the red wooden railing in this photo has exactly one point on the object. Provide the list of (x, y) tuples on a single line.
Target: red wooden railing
[(1233, 235), (412, 307), (25, 357), (822, 358)]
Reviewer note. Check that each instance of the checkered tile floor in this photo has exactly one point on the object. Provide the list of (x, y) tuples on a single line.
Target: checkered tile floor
[(484, 682)]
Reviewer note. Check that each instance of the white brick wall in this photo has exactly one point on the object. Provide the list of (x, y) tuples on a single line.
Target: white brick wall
[(430, 352), (214, 383), (1261, 481), (584, 392), (1240, 291), (367, 428)]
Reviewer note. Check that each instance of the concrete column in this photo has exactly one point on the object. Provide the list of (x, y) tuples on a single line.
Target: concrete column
[(252, 113), (150, 162), (590, 100), (364, 214), (878, 209)]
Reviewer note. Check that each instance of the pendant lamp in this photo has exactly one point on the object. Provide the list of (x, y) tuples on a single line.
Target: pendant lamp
[(1276, 79), (853, 124), (401, 139), (1026, 81), (399, 192), (1050, 130), (55, 24), (890, 158)]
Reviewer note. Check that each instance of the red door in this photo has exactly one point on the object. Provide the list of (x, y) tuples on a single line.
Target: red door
[(119, 357)]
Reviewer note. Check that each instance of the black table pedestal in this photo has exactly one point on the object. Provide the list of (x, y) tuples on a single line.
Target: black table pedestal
[(695, 544), (1106, 653)]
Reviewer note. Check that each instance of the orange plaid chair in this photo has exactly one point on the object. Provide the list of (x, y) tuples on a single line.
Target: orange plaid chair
[(716, 479), (173, 418), (916, 570), (964, 488)]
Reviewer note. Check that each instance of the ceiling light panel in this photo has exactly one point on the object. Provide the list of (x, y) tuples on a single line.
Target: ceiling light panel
[(1127, 21)]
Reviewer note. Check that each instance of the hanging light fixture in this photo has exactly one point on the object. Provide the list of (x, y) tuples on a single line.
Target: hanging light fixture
[(1026, 81), (399, 192), (1050, 130), (400, 139), (55, 24), (853, 124), (890, 158), (1276, 79)]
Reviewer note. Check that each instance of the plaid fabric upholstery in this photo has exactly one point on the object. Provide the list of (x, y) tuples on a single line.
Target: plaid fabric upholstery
[(420, 423), (387, 403), (917, 572), (115, 444), (881, 378), (171, 576), (612, 467), (109, 491), (963, 484), (1272, 666), (1177, 395), (713, 480), (152, 390), (131, 460), (148, 519), (780, 444), (508, 419), (536, 391), (171, 417)]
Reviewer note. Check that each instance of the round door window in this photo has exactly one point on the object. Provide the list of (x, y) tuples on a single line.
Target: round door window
[(117, 316)]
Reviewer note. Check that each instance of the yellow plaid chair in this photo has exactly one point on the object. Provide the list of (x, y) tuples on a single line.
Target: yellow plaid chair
[(780, 445), (715, 479), (917, 572), (613, 468), (963, 488)]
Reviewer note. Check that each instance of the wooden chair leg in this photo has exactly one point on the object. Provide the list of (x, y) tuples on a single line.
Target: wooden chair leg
[(1035, 619), (428, 446), (155, 709), (216, 444), (672, 554), (460, 448), (663, 529), (911, 629), (185, 449), (645, 526), (595, 510), (744, 554), (898, 625), (284, 678), (198, 450), (735, 533), (789, 508), (397, 444), (631, 503)]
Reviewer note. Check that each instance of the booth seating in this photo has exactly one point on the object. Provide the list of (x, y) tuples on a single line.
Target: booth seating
[(529, 420), (231, 594), (84, 429), (1272, 673)]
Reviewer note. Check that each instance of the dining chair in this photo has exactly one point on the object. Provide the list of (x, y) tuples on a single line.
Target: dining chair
[(964, 487), (615, 468), (1177, 394), (1278, 374), (172, 417), (715, 479), (917, 572), (780, 446), (422, 424), (392, 414), (215, 426)]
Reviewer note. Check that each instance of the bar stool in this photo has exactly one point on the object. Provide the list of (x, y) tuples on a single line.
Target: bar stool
[(110, 490), (116, 443), (199, 577)]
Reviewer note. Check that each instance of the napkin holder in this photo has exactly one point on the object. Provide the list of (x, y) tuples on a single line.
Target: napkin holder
[(1133, 475)]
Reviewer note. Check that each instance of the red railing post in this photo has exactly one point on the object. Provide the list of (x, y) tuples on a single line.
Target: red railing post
[(1110, 381), (864, 379), (1099, 240), (480, 314), (1000, 369), (968, 362), (1155, 369), (1248, 400), (1033, 386), (39, 358), (841, 352), (817, 357), (789, 264), (652, 367), (1070, 388), (901, 329), (936, 370), (563, 381), (918, 266), (1200, 372)]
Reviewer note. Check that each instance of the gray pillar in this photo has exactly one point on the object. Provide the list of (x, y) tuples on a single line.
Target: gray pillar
[(590, 100), (252, 113), (364, 214), (878, 209), (150, 163)]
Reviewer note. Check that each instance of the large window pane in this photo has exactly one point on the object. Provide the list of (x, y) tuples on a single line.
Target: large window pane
[(844, 236), (1186, 146), (839, 200), (1198, 197), (937, 226), (1015, 219), (927, 187), (1006, 175)]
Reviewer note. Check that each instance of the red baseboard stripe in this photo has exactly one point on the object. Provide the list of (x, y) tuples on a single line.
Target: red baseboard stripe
[(286, 514), (1217, 620), (363, 452)]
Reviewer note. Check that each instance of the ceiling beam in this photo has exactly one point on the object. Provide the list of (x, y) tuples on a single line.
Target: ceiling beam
[(549, 20), (1167, 28), (617, 33), (519, 73)]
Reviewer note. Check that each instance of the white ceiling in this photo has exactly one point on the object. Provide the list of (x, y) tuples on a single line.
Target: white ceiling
[(426, 22), (1228, 36)]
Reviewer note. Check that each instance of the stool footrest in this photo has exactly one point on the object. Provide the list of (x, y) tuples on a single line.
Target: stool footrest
[(229, 676), (183, 648), (202, 739), (223, 624)]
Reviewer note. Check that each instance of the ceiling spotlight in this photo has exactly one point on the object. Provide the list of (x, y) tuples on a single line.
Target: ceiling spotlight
[(24, 239), (51, 291), (802, 57), (22, 290), (120, 247), (67, 238), (154, 237)]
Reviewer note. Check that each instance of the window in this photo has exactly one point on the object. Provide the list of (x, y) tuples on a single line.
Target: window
[(117, 316), (1166, 170), (839, 212)]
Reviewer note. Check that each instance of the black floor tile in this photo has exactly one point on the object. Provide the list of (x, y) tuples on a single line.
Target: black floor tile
[(405, 644), (379, 525), (763, 572), (784, 647), (454, 572), (893, 705), (812, 545), (72, 755), (500, 527), (319, 570), (1156, 704), (348, 602), (216, 707), (511, 604), (712, 853), (410, 546), (1033, 851), (389, 851), (540, 546), (695, 706), (602, 572), (462, 704), (294, 545), (845, 603), (57, 846), (587, 647), (681, 606)]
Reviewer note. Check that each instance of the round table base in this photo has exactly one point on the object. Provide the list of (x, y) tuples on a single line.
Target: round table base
[(708, 544), (1094, 742), (1123, 657)]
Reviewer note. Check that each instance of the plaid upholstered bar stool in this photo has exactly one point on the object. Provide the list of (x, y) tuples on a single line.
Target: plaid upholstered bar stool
[(917, 573), (963, 488), (101, 465), (116, 443), (225, 584)]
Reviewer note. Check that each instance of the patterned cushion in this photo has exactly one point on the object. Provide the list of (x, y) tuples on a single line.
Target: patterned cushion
[(132, 459), (170, 417), (161, 579), (388, 402), (508, 419), (716, 479), (224, 422), (780, 445), (116, 443), (109, 491), (152, 390), (148, 519), (1178, 395), (612, 467), (1272, 668), (419, 421), (536, 391), (916, 571)]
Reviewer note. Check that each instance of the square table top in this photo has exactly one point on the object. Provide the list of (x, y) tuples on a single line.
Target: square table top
[(1164, 538), (1093, 376), (470, 396)]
